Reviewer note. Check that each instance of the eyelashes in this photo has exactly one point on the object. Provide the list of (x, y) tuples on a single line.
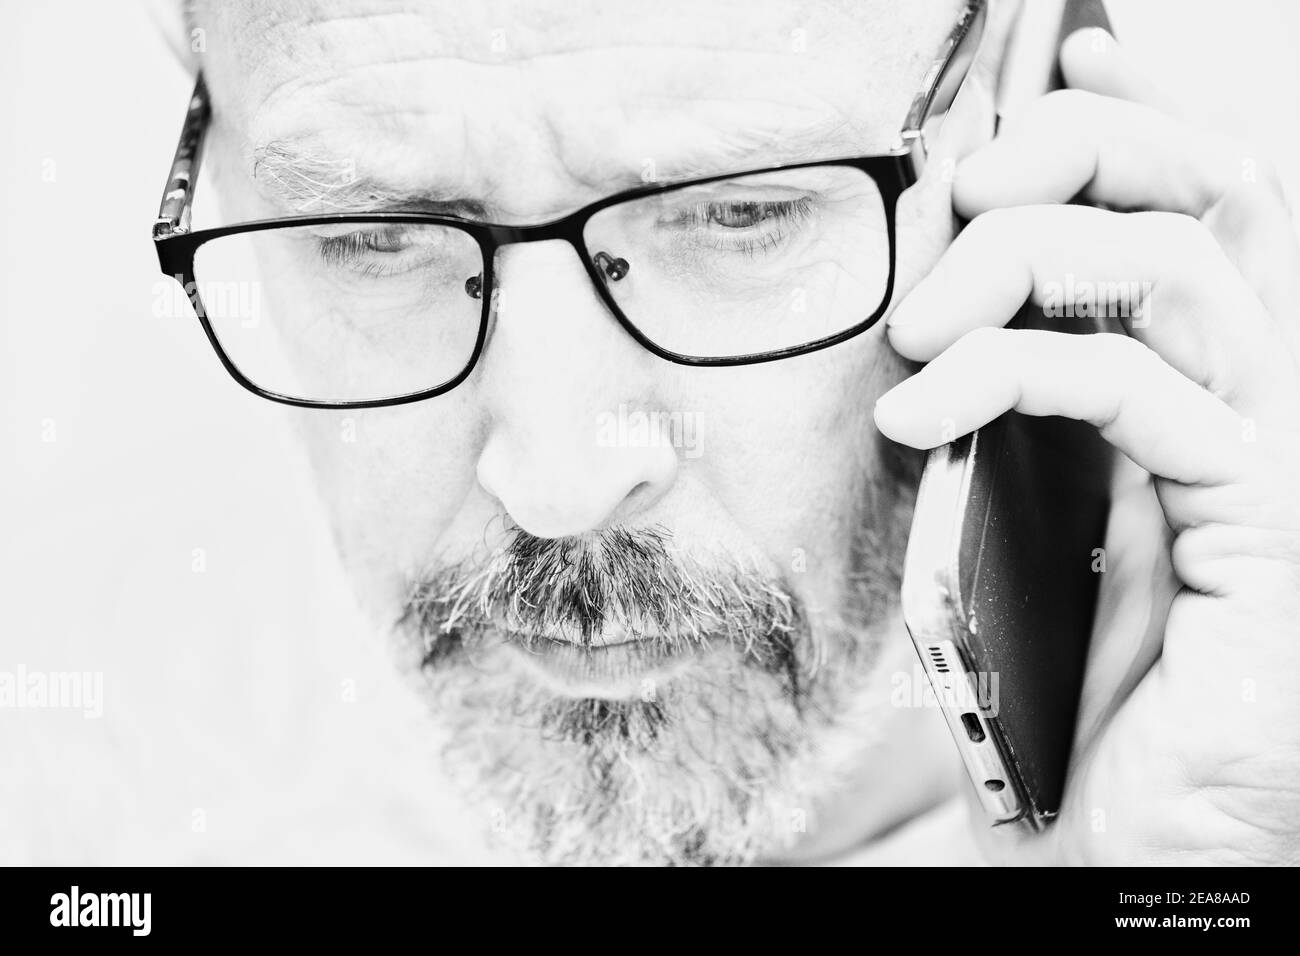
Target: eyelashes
[(363, 250), (747, 226), (746, 214)]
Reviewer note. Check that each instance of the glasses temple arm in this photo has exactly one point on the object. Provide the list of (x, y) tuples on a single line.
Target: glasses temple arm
[(174, 211), (944, 78)]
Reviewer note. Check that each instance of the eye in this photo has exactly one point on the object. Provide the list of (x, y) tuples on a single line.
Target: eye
[(745, 215), (743, 225), (388, 250)]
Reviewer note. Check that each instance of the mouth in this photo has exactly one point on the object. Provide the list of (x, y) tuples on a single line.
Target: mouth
[(613, 663)]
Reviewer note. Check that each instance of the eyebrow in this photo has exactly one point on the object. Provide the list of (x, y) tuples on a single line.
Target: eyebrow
[(303, 181)]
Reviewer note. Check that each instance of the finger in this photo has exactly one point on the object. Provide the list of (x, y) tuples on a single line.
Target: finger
[(1162, 275), (1091, 60), (1128, 632), (1073, 143), (1142, 405), (1053, 153), (1111, 139), (1259, 237)]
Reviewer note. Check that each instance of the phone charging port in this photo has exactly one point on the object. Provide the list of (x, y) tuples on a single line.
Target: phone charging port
[(973, 728)]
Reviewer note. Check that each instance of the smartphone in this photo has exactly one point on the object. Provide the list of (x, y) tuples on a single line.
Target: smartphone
[(999, 589), (1001, 574)]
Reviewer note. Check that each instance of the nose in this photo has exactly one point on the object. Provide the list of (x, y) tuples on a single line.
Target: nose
[(560, 379)]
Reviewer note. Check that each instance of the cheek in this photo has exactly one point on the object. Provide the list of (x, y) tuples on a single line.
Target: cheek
[(794, 455), (925, 226), (792, 449), (392, 480)]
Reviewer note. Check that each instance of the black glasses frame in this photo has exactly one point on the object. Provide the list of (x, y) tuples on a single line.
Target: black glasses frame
[(893, 172)]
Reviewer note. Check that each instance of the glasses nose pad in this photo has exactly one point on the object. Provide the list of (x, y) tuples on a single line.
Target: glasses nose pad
[(474, 286), (614, 268)]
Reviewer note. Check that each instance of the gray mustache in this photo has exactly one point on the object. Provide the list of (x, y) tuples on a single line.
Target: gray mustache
[(617, 577)]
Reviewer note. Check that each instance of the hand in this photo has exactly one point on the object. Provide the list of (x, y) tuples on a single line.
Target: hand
[(1189, 746)]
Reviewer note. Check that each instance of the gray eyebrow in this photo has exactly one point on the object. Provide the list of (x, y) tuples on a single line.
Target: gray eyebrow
[(303, 181)]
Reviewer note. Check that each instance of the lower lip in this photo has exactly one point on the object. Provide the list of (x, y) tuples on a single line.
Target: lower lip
[(603, 670)]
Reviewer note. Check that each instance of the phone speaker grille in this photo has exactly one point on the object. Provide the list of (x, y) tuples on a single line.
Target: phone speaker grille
[(936, 657)]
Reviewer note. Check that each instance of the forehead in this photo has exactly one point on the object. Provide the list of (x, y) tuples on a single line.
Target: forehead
[(538, 102)]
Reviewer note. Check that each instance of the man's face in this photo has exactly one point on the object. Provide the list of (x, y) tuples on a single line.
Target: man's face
[(646, 599)]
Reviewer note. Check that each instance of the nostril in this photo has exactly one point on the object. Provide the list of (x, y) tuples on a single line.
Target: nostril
[(640, 495)]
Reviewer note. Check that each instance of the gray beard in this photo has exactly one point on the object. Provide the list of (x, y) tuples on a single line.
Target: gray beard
[(724, 764)]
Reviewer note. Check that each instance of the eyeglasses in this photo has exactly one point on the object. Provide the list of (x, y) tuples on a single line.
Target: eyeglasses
[(359, 311)]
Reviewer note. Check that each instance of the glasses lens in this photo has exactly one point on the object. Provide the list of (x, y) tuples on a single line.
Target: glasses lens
[(747, 265), (344, 312)]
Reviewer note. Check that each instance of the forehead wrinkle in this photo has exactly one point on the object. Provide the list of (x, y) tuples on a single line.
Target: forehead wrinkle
[(684, 136), (544, 114), (336, 64), (326, 31), (330, 65), (754, 146), (307, 27), (304, 180), (661, 146), (685, 84)]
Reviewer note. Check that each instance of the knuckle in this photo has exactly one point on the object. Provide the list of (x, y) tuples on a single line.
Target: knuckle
[(1246, 203), (1178, 230), (993, 226), (1123, 353), (1051, 111), (1260, 174), (982, 341), (1063, 104)]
